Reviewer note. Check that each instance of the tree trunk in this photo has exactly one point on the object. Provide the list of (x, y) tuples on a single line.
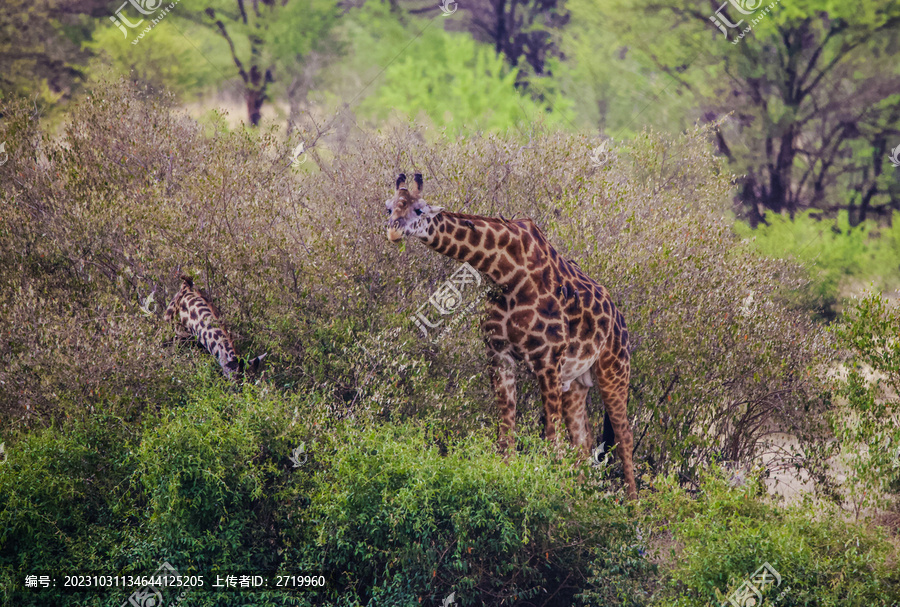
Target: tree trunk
[(255, 100), (780, 197), (500, 34)]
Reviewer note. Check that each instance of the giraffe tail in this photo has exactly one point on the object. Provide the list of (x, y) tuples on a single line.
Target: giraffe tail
[(609, 436)]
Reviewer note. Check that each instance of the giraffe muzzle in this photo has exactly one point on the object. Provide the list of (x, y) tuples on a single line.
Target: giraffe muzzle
[(394, 235)]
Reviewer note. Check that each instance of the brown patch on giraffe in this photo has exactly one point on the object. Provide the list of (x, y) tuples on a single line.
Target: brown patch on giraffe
[(522, 317)]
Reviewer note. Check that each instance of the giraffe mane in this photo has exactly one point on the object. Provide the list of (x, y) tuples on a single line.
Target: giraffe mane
[(494, 220)]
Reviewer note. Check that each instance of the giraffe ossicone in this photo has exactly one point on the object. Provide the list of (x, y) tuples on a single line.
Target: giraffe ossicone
[(547, 313)]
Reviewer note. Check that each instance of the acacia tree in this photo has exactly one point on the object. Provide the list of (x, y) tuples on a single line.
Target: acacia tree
[(525, 32), (812, 89), (815, 100), (261, 32), (34, 55)]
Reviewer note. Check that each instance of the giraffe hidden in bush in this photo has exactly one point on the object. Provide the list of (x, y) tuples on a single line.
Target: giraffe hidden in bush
[(195, 316), (548, 314)]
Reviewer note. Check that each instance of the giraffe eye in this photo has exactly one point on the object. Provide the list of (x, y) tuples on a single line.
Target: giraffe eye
[(418, 211), (388, 211)]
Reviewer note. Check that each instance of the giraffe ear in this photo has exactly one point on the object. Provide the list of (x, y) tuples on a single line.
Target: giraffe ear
[(418, 183), (401, 180)]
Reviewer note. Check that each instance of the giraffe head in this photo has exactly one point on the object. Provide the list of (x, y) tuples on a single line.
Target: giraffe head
[(408, 213)]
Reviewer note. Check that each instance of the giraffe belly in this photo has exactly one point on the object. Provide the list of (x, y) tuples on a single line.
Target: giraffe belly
[(575, 370)]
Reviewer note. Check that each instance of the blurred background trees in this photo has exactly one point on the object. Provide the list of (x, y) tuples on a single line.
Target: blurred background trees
[(807, 102)]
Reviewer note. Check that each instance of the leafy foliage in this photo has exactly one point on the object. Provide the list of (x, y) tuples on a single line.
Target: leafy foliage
[(838, 255), (207, 487), (615, 89), (808, 71), (727, 533), (399, 517), (458, 83), (164, 58), (60, 508), (381, 512), (395, 514), (869, 425), (40, 50)]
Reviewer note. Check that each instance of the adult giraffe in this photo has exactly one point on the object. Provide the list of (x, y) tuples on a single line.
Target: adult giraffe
[(549, 314)]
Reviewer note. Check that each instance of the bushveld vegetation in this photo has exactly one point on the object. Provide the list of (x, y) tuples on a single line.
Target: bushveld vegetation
[(839, 257), (122, 452)]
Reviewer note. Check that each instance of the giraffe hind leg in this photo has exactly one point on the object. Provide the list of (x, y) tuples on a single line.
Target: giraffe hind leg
[(552, 397), (614, 390)]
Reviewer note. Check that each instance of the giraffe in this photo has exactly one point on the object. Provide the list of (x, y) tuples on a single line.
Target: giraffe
[(196, 316), (548, 313)]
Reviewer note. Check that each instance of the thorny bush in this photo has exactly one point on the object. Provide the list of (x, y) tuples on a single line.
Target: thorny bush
[(100, 216)]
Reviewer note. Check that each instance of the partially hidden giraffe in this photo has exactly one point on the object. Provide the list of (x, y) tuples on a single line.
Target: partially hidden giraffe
[(548, 313), (195, 316)]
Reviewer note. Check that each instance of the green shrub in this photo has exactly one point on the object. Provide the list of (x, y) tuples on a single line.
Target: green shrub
[(839, 257), (459, 83), (726, 534), (63, 506), (400, 522), (207, 487), (869, 423), (395, 515)]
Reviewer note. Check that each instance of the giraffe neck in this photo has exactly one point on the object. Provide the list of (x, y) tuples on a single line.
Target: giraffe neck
[(489, 245)]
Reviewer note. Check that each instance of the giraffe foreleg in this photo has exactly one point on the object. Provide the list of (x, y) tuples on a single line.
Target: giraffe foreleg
[(503, 379), (551, 394)]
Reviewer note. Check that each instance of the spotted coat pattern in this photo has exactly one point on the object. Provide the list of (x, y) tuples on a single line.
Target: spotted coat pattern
[(196, 317), (549, 314)]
